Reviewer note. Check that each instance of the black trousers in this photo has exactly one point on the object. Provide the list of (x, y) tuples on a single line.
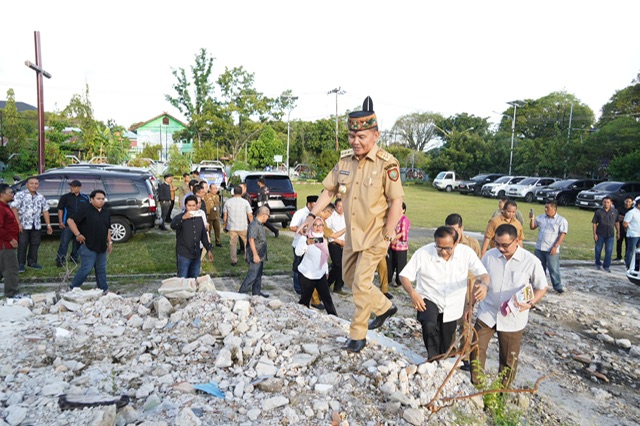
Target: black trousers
[(270, 226), (623, 239), (322, 286), (28, 239), (167, 217), (396, 261), (437, 335), (335, 272)]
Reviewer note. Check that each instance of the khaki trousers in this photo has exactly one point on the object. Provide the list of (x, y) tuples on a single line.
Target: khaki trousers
[(509, 350), (357, 270), (233, 242), (383, 274)]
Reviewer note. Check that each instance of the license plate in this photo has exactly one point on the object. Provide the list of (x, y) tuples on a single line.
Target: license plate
[(583, 203), (539, 198)]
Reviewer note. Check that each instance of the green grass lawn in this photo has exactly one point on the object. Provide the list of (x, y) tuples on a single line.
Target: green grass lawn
[(152, 253), (427, 207)]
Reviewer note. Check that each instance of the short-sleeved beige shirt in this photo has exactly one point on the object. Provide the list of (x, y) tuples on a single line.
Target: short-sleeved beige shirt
[(365, 185)]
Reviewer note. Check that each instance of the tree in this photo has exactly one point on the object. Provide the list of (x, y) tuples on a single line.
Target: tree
[(262, 151), (12, 130), (416, 130), (80, 113), (151, 151), (178, 163), (624, 102)]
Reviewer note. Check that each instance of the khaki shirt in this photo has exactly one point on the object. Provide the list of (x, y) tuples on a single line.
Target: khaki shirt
[(212, 204), (182, 191), (471, 243), (500, 220), (365, 185)]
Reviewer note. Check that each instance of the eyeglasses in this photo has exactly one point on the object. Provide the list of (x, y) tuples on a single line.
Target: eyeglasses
[(504, 245), (318, 224), (447, 249)]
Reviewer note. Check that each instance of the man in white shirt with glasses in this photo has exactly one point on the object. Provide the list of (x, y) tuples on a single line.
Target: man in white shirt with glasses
[(441, 271)]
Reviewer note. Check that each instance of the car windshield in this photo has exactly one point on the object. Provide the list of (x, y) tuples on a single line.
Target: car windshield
[(479, 178), (562, 184), (607, 186), (210, 170), (503, 179), (275, 183), (529, 181), (441, 175)]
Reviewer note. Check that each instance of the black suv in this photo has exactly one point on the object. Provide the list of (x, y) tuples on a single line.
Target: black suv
[(130, 196), (283, 200), (564, 192), (618, 191), (474, 185)]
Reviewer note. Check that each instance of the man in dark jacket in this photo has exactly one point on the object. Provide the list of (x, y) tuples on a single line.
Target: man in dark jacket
[(9, 231), (263, 200), (164, 197), (68, 205), (92, 228), (190, 233)]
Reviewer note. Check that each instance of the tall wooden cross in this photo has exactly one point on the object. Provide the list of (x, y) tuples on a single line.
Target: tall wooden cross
[(37, 67)]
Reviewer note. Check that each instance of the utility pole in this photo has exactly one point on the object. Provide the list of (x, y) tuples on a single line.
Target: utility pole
[(37, 67), (515, 105), (337, 91), (291, 99)]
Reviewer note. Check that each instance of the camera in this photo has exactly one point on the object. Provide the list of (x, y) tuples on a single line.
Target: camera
[(318, 240)]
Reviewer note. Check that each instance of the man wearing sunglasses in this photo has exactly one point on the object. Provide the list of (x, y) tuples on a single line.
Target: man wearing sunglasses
[(441, 271), (510, 268)]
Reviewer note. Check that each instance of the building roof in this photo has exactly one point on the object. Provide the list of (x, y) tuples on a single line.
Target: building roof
[(137, 126)]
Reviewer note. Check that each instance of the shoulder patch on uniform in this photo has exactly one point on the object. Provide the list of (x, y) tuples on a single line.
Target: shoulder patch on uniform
[(393, 174), (384, 155), (346, 153), (390, 166)]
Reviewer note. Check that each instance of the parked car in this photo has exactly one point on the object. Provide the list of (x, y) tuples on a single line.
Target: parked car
[(633, 273), (474, 185), (213, 172), (618, 191), (283, 199), (130, 196), (525, 189), (564, 192), (446, 181), (497, 189)]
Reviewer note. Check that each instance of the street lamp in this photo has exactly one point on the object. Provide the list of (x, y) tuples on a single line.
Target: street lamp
[(337, 91), (291, 106), (515, 105)]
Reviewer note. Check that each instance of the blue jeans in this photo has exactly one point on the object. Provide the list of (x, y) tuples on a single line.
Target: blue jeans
[(188, 268), (66, 238), (253, 279), (553, 264), (90, 260), (632, 243), (608, 250)]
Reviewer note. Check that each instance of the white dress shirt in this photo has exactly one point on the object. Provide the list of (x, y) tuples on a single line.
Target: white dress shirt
[(298, 217), (507, 278), (444, 282), (336, 223), (310, 265)]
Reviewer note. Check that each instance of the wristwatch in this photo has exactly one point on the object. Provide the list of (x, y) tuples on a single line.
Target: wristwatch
[(387, 238)]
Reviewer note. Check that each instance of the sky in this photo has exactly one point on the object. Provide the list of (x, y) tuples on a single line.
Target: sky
[(409, 56)]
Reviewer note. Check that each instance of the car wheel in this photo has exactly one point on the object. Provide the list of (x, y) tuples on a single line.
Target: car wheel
[(501, 194), (121, 230), (563, 200), (448, 188), (529, 197)]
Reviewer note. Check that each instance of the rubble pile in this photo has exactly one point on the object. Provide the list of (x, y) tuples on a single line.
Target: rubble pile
[(259, 361)]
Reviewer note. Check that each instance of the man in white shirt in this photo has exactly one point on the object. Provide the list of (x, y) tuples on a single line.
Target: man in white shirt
[(552, 229), (298, 218), (632, 224), (510, 268), (338, 228), (441, 271)]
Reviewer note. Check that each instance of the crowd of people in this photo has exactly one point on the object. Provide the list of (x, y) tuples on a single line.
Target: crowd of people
[(355, 227)]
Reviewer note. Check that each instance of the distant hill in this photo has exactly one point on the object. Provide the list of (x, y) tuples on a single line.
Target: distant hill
[(21, 106)]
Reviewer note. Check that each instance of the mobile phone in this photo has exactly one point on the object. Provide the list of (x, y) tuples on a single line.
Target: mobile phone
[(531, 212), (318, 240)]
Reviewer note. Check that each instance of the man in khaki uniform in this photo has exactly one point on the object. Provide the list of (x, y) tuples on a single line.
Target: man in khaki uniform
[(508, 217), (184, 189), (366, 177), (212, 203)]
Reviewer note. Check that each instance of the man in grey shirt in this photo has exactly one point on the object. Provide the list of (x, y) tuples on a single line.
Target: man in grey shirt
[(256, 253), (552, 229), (605, 229), (236, 215)]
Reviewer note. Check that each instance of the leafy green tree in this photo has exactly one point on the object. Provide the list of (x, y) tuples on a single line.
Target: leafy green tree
[(206, 151), (416, 130), (262, 151), (79, 112), (12, 130), (624, 102), (151, 151), (626, 167), (178, 163)]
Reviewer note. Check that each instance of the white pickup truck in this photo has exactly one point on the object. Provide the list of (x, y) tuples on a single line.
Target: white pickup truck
[(446, 181)]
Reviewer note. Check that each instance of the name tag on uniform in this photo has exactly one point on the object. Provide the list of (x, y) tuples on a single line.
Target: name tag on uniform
[(345, 172)]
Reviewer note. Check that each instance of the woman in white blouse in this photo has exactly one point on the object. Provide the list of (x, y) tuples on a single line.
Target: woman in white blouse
[(314, 267)]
